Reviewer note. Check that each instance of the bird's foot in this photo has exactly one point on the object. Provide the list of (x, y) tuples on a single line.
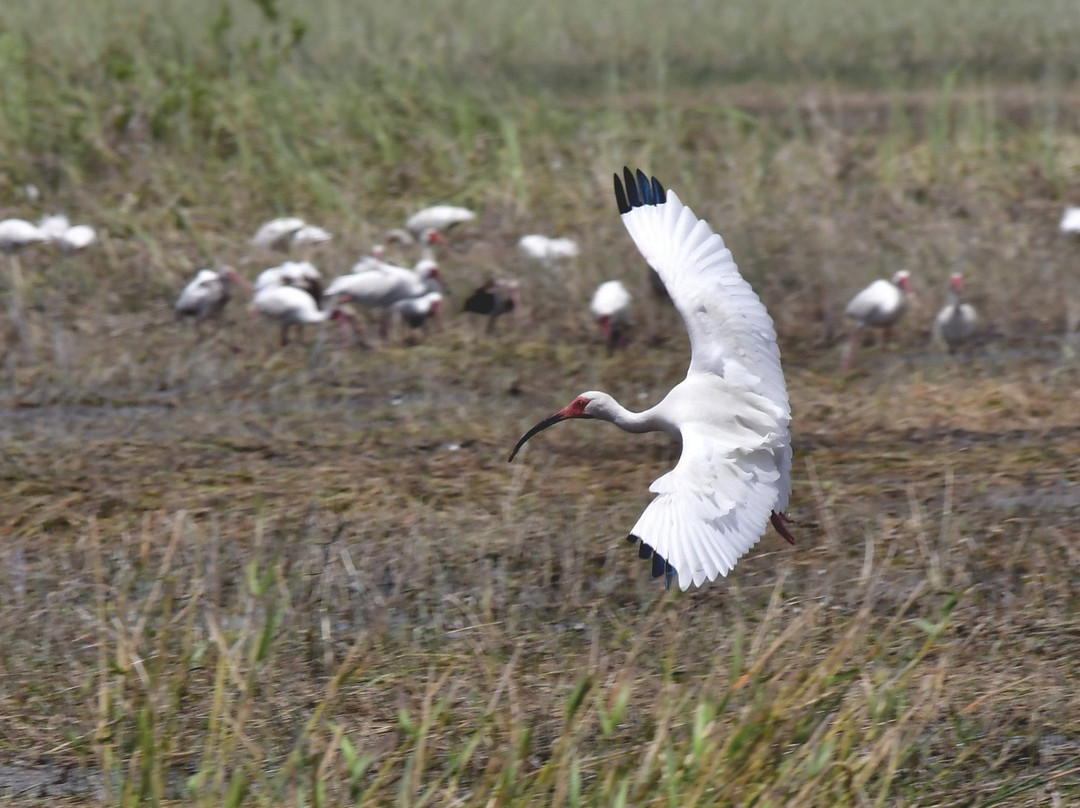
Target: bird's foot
[(780, 521)]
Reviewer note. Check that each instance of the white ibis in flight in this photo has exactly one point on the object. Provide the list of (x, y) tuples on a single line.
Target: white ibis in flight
[(438, 217), (731, 411), (208, 293), (291, 306), (611, 307), (879, 305), (957, 321), (494, 299), (546, 251)]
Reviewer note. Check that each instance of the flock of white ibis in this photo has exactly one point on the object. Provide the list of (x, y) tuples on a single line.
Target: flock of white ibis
[(17, 234), (731, 412)]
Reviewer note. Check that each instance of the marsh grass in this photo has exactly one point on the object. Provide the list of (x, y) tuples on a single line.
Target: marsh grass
[(236, 574)]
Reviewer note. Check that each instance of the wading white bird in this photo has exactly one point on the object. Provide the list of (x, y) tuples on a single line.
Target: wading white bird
[(731, 411), (68, 237), (277, 233), (956, 323), (879, 305), (17, 234), (1070, 220), (611, 307), (546, 251), (208, 293), (416, 311), (438, 217), (292, 307), (309, 235), (300, 274), (386, 285), (494, 299)]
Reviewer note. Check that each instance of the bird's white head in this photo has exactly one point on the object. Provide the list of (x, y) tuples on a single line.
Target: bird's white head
[(427, 268), (903, 280), (592, 404)]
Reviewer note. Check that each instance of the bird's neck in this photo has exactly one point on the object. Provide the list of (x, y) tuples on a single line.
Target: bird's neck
[(645, 421)]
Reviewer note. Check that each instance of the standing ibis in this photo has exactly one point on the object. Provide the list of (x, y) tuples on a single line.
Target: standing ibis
[(291, 306), (731, 411), (957, 321), (879, 305), (300, 274), (70, 238), (438, 217), (383, 286), (310, 235), (417, 311), (494, 299), (207, 294), (546, 251), (1070, 220), (17, 234), (611, 307), (277, 233)]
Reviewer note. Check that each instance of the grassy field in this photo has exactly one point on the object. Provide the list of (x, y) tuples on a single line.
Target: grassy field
[(237, 574)]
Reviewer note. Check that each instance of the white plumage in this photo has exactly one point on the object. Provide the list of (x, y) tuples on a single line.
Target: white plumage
[(546, 251), (299, 274), (731, 411), (610, 306), (879, 305), (956, 322), (54, 225), (276, 233), (384, 285), (310, 234), (438, 217), (416, 311), (291, 306), (76, 238), (207, 294), (16, 234), (1070, 220), (70, 238)]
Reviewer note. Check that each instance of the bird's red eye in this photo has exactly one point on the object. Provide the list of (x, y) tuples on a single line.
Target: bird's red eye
[(580, 404)]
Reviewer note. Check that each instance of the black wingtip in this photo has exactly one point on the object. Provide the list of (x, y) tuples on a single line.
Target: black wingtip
[(631, 188), (635, 189), (620, 197), (660, 565)]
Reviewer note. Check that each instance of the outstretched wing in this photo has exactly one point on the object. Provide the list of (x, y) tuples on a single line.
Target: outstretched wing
[(731, 333), (712, 507)]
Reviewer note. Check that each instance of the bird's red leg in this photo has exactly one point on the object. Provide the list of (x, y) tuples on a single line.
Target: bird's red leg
[(849, 351), (780, 522)]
